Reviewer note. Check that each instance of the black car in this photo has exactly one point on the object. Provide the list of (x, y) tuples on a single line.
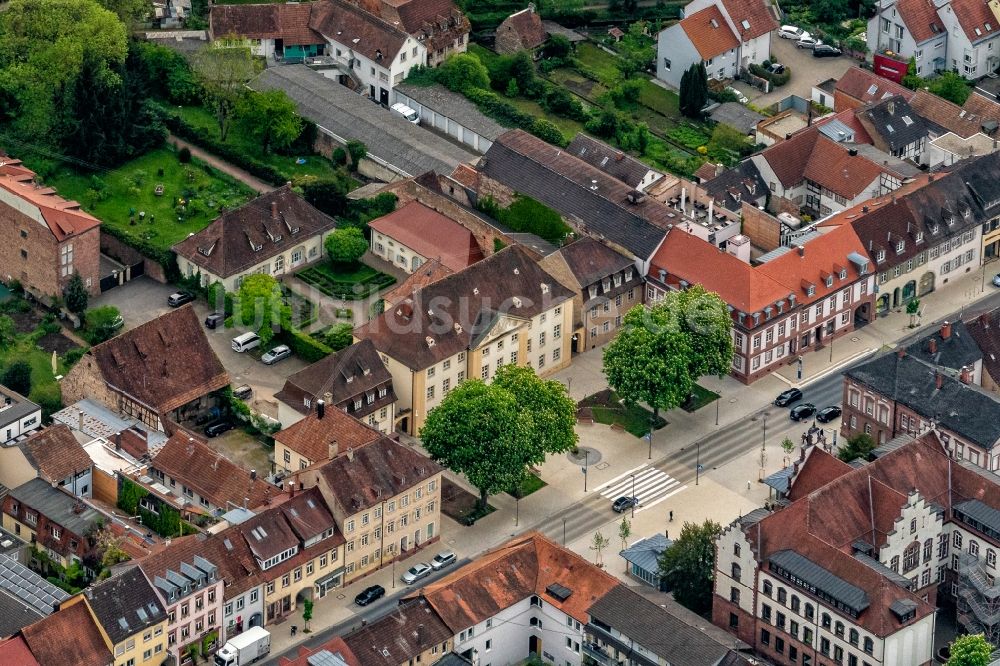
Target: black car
[(214, 320), (826, 51), (803, 411), (624, 504), (216, 428), (827, 414), (369, 594), (786, 398), (179, 298)]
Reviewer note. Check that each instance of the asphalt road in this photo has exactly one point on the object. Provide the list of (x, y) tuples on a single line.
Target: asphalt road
[(712, 451)]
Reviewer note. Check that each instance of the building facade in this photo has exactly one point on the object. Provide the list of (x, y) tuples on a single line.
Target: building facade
[(18, 416), (51, 520)]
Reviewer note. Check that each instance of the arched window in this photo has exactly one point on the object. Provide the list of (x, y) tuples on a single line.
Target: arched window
[(795, 604), (825, 621), (768, 588), (928, 550), (810, 612), (838, 629), (991, 558), (853, 637), (973, 548), (782, 595), (869, 645)]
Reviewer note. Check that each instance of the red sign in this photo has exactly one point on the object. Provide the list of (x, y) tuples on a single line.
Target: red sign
[(891, 68)]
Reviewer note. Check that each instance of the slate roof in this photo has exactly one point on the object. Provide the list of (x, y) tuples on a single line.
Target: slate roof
[(528, 26), (966, 410), (125, 604), (709, 32), (19, 406), (430, 234), (14, 616), (64, 218), (288, 22), (209, 473), (612, 161), (68, 636), (588, 197), (56, 453), (956, 352), (164, 363), (921, 18), (736, 115), (524, 566), (867, 86), (353, 27), (455, 106), (449, 315), (388, 136), (656, 629), (375, 471), (56, 505), (985, 330), (645, 553), (401, 636), (255, 232), (312, 436), (350, 372), (734, 186), (814, 575), (895, 121)]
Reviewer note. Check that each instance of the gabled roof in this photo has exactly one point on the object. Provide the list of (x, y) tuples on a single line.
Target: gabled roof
[(63, 218), (985, 330), (921, 18), (946, 115), (15, 650), (976, 18), (612, 161), (25, 598), (752, 18), (423, 17), (734, 186), (455, 106), (307, 514), (645, 553), (258, 230), (371, 36), (528, 26), (125, 604), (403, 635), (788, 159), (895, 122), (288, 22), (525, 566), (867, 86), (58, 506), (590, 260), (447, 316), (56, 453), (209, 473), (17, 406), (314, 437), (237, 568), (957, 351), (709, 32), (427, 273), (268, 534), (430, 234), (364, 477), (68, 636), (164, 363), (351, 372)]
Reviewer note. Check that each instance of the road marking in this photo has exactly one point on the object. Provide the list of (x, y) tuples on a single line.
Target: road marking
[(620, 476), (650, 505), (650, 485)]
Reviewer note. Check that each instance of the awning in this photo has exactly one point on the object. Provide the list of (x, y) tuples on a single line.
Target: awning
[(331, 577), (780, 480)]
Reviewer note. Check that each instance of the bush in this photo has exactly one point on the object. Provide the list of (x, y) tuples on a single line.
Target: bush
[(184, 155), (73, 355), (305, 347), (777, 80)]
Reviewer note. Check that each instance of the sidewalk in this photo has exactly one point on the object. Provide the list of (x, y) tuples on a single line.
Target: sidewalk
[(225, 167)]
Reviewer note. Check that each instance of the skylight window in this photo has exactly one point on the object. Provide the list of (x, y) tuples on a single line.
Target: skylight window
[(872, 89), (907, 120), (746, 24), (889, 127)]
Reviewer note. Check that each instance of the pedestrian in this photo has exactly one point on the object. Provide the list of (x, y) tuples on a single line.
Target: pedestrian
[(748, 485), (671, 516)]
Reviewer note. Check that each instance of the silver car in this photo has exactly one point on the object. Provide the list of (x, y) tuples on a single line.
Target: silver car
[(276, 354), (442, 559), (415, 573)]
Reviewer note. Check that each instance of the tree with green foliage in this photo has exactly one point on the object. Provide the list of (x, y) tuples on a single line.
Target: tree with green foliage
[(76, 294), (270, 118), (129, 12), (552, 411), (625, 533), (829, 11), (8, 332), (339, 336), (328, 195), (223, 70), (951, 86), (461, 71), (168, 72), (522, 70), (694, 90), (307, 612), (970, 650), (858, 446), (262, 306), (345, 247), (598, 544), (357, 151), (528, 215), (558, 46), (102, 323), (604, 123), (663, 350), (689, 565), (512, 90), (727, 139), (17, 377)]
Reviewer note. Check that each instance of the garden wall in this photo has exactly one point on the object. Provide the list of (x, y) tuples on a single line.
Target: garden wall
[(326, 144), (126, 254)]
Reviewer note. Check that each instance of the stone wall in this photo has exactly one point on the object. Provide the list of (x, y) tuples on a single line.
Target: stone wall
[(125, 254), (84, 380)]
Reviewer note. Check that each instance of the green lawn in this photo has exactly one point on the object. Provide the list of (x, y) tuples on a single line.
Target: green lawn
[(602, 62), (659, 99), (351, 285), (117, 197), (569, 128), (315, 165), (608, 409), (700, 397), (530, 484)]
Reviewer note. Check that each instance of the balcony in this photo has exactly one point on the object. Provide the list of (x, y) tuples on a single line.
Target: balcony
[(598, 654)]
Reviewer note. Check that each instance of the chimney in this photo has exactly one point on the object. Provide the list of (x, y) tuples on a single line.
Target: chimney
[(930, 178), (932, 346), (864, 209), (802, 250), (80, 421), (320, 408), (253, 475), (901, 353), (350, 454), (945, 330), (291, 489), (966, 375), (683, 200), (332, 449), (118, 441), (274, 210), (246, 501), (938, 380), (891, 107)]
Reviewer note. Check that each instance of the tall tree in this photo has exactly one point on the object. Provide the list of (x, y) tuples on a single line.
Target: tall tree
[(270, 117), (345, 247), (329, 195), (262, 306), (129, 12), (972, 650), (546, 402), (689, 565), (858, 446), (17, 377), (76, 295), (694, 95), (223, 69), (663, 350), (480, 432), (462, 71), (951, 86)]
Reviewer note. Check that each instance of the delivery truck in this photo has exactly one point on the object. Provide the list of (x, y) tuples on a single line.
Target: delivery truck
[(248, 647)]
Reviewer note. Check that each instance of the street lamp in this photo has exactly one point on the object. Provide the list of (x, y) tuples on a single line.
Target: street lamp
[(718, 401), (564, 531), (517, 510), (586, 464), (650, 438), (633, 495), (697, 463)]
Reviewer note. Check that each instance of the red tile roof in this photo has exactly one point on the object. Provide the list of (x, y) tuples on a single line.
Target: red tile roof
[(288, 22), (832, 166), (976, 19), (209, 473), (403, 635), (524, 566), (965, 121), (68, 636), (352, 26), (921, 18), (528, 26), (850, 118), (56, 453), (430, 234), (335, 645), (15, 651), (821, 470), (757, 15), (788, 159), (708, 31), (866, 86), (426, 274), (63, 218), (313, 437)]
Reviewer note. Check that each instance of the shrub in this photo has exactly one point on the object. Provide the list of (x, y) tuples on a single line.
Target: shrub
[(73, 355), (777, 80), (184, 155), (305, 347)]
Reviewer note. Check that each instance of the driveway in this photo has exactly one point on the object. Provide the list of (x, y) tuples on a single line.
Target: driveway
[(807, 72)]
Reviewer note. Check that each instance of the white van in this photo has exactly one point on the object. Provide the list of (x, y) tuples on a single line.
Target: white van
[(242, 343), (406, 112)]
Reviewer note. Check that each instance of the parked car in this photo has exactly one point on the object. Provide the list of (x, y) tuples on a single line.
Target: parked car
[(415, 573), (828, 414), (790, 32), (443, 559), (776, 68), (179, 298), (214, 320), (787, 397), (369, 594), (406, 112), (826, 51), (996, 280), (276, 354), (243, 392), (743, 99), (216, 428), (245, 341), (807, 41), (623, 504), (803, 411)]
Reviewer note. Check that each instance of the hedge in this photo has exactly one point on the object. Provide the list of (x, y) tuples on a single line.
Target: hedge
[(777, 80), (305, 347), (505, 113)]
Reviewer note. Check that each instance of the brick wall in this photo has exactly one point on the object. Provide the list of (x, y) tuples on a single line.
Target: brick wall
[(492, 188), (763, 229), (129, 256), (782, 205), (86, 259), (721, 610), (842, 102)]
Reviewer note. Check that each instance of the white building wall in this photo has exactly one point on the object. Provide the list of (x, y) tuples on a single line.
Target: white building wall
[(674, 55), (241, 608), (917, 523), (383, 75), (732, 548), (23, 425), (945, 264), (391, 250)]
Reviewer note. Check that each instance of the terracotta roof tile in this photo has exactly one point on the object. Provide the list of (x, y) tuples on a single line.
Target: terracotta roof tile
[(590, 260), (15, 651), (229, 551), (757, 15), (56, 453), (314, 437), (832, 166), (288, 22), (528, 26), (209, 473), (408, 631), (64, 218), (428, 273), (952, 117), (921, 18), (68, 636), (789, 158), (164, 363), (335, 645), (976, 19), (524, 566), (430, 234), (369, 35), (821, 470), (709, 32), (612, 161), (866, 86), (985, 109)]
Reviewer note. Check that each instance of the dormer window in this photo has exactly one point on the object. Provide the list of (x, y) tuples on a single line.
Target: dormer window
[(606, 284), (618, 279), (966, 213), (828, 281), (756, 318), (880, 256), (628, 275), (920, 237), (843, 274), (810, 290), (545, 288), (592, 290), (900, 246), (430, 341), (207, 251)]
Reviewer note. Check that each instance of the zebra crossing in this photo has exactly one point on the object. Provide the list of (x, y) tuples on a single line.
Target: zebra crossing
[(652, 486)]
